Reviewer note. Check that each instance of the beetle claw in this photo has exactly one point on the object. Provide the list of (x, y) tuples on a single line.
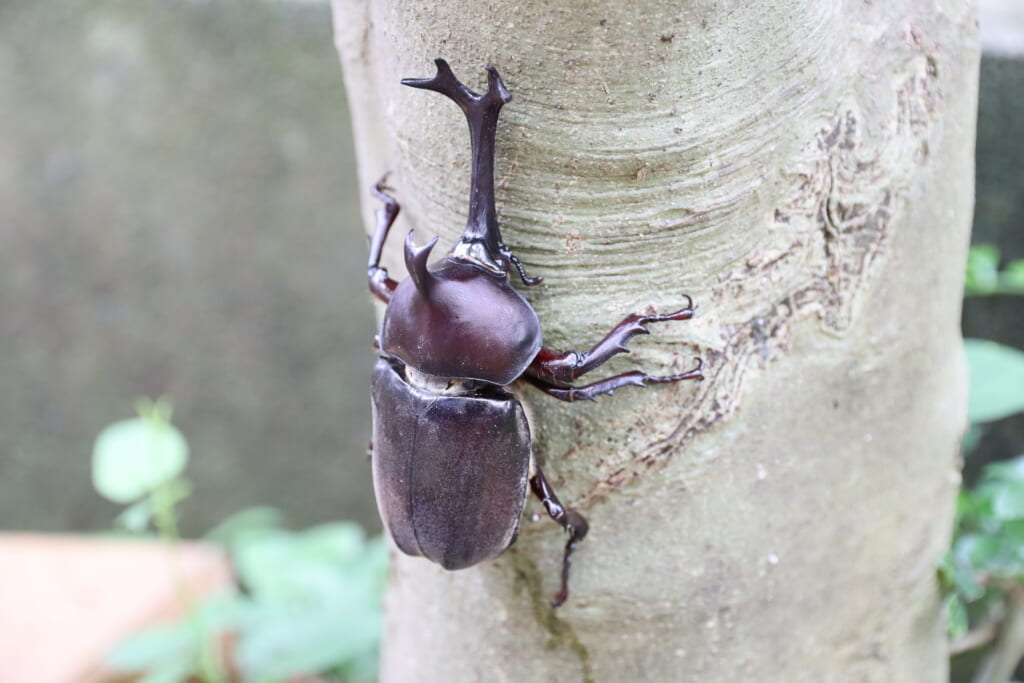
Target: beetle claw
[(527, 280), (381, 186)]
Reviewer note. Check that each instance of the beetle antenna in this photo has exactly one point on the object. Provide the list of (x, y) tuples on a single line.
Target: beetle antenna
[(416, 264), (482, 115)]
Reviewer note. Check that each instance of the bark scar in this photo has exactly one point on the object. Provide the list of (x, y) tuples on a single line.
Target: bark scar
[(833, 225)]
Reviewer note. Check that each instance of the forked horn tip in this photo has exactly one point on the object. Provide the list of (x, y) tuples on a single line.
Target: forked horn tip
[(443, 71), (496, 85)]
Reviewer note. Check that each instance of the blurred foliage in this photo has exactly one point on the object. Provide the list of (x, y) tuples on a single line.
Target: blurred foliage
[(996, 380), (132, 458), (982, 576), (987, 557), (308, 603), (984, 276)]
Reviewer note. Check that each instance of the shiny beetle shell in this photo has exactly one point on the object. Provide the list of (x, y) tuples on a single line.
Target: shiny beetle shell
[(452, 333), (456, 501)]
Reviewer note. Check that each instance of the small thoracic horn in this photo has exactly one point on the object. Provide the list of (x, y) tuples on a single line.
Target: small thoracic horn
[(416, 264)]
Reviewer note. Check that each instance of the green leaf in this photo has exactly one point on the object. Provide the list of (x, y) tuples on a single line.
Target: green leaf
[(997, 553), (1010, 471), (956, 616), (171, 652), (982, 275), (1013, 276), (136, 516), (150, 649), (945, 571), (133, 457), (975, 550), (171, 672), (316, 599), (1008, 502), (313, 606), (340, 542), (959, 577), (968, 586), (296, 637), (286, 565), (996, 380), (263, 563), (248, 521)]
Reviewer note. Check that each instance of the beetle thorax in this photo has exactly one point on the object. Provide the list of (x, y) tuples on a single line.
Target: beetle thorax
[(461, 321)]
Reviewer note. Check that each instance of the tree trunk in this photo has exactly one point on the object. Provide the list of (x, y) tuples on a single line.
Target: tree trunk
[(804, 170)]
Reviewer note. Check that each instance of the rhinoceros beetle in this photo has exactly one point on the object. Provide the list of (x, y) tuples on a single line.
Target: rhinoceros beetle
[(451, 444)]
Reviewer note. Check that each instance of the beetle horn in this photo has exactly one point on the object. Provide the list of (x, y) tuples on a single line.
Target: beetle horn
[(445, 82), (482, 115), (416, 264)]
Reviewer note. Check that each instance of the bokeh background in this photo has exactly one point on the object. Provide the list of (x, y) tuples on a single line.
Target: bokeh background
[(999, 202), (179, 217)]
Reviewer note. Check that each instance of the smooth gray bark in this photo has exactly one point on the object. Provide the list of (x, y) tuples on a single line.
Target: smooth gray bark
[(805, 171)]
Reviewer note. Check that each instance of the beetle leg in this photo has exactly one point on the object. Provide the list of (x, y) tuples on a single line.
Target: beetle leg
[(381, 285), (562, 367), (590, 392), (573, 522), (528, 281)]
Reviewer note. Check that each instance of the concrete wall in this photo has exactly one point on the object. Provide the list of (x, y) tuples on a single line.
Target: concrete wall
[(178, 215)]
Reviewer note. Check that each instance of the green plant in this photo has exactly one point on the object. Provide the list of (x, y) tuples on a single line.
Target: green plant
[(987, 558), (983, 276), (139, 463), (308, 603), (982, 576), (996, 381)]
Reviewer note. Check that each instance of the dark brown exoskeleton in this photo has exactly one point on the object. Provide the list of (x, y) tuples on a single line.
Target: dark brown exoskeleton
[(451, 445)]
